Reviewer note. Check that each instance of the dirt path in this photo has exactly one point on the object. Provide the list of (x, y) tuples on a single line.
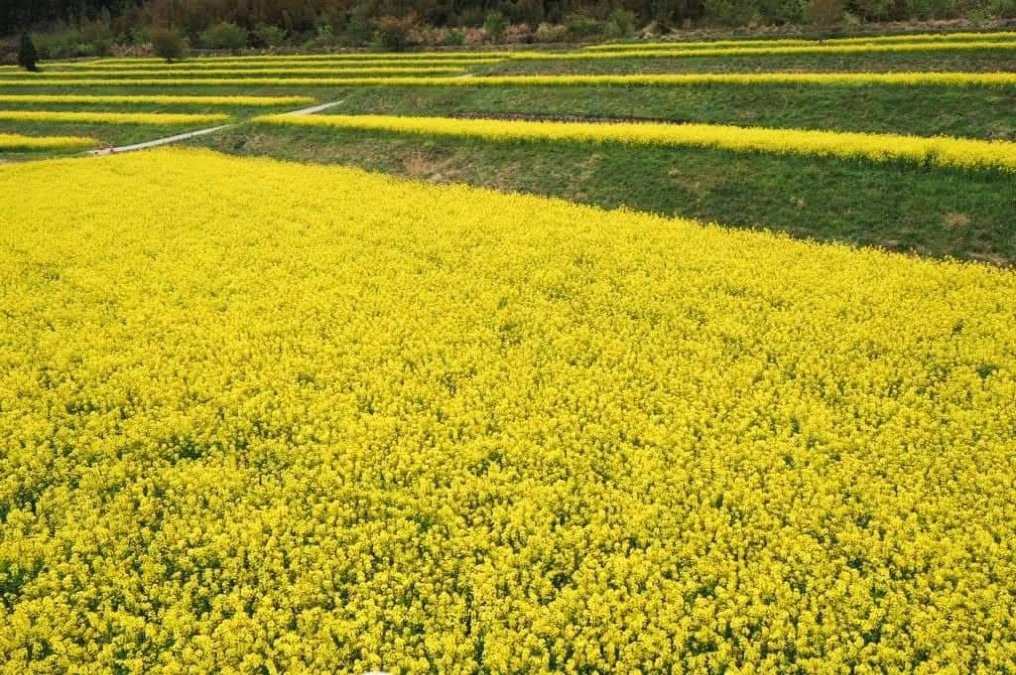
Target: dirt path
[(194, 134)]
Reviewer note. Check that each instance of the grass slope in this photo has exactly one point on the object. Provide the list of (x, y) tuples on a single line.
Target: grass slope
[(979, 112), (931, 212)]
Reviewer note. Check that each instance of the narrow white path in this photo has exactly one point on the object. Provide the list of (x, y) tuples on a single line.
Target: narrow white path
[(156, 142), (193, 134), (314, 109)]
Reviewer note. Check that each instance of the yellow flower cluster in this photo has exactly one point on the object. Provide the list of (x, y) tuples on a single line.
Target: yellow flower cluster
[(9, 142), (158, 99), (108, 117), (233, 81), (648, 52), (928, 78), (288, 62), (403, 57), (235, 72), (999, 36), (270, 417), (664, 79), (937, 151)]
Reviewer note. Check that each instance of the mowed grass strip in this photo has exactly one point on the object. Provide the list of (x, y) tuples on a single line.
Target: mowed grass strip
[(158, 99), (940, 151), (12, 142), (971, 112), (159, 119)]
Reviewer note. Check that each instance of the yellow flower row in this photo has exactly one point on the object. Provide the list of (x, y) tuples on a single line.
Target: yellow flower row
[(108, 117), (229, 72), (9, 142), (999, 36), (158, 99), (939, 151), (649, 52), (279, 62), (405, 57), (1001, 79), (272, 417)]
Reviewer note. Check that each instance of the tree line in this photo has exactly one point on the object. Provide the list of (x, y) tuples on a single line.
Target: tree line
[(354, 22)]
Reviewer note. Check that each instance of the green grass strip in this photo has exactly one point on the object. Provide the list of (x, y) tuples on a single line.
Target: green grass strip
[(937, 151)]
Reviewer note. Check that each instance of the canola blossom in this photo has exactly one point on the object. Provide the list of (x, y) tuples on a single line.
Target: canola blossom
[(647, 52), (88, 99), (860, 79), (232, 81), (269, 417), (999, 36), (229, 72), (288, 62), (306, 58), (108, 117), (926, 78), (10, 142), (935, 151)]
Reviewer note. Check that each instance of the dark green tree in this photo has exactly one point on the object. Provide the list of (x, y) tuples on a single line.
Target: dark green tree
[(27, 56)]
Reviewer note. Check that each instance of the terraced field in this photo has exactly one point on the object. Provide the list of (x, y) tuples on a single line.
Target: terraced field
[(650, 357)]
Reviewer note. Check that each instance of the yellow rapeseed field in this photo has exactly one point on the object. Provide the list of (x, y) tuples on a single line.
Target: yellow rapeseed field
[(157, 99), (933, 151), (232, 72), (998, 36), (662, 79), (265, 417), (293, 63), (648, 52), (108, 117), (858, 79), (10, 142)]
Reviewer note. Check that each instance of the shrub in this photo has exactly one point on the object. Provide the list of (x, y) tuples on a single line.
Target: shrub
[(168, 44), (782, 12), (620, 24), (455, 38), (825, 14), (224, 35), (872, 10), (1003, 8), (547, 33), (730, 12), (496, 24), (27, 56), (359, 30), (581, 26), (393, 33), (270, 36)]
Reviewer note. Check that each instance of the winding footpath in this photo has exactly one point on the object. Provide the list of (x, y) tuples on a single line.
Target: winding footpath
[(194, 134)]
